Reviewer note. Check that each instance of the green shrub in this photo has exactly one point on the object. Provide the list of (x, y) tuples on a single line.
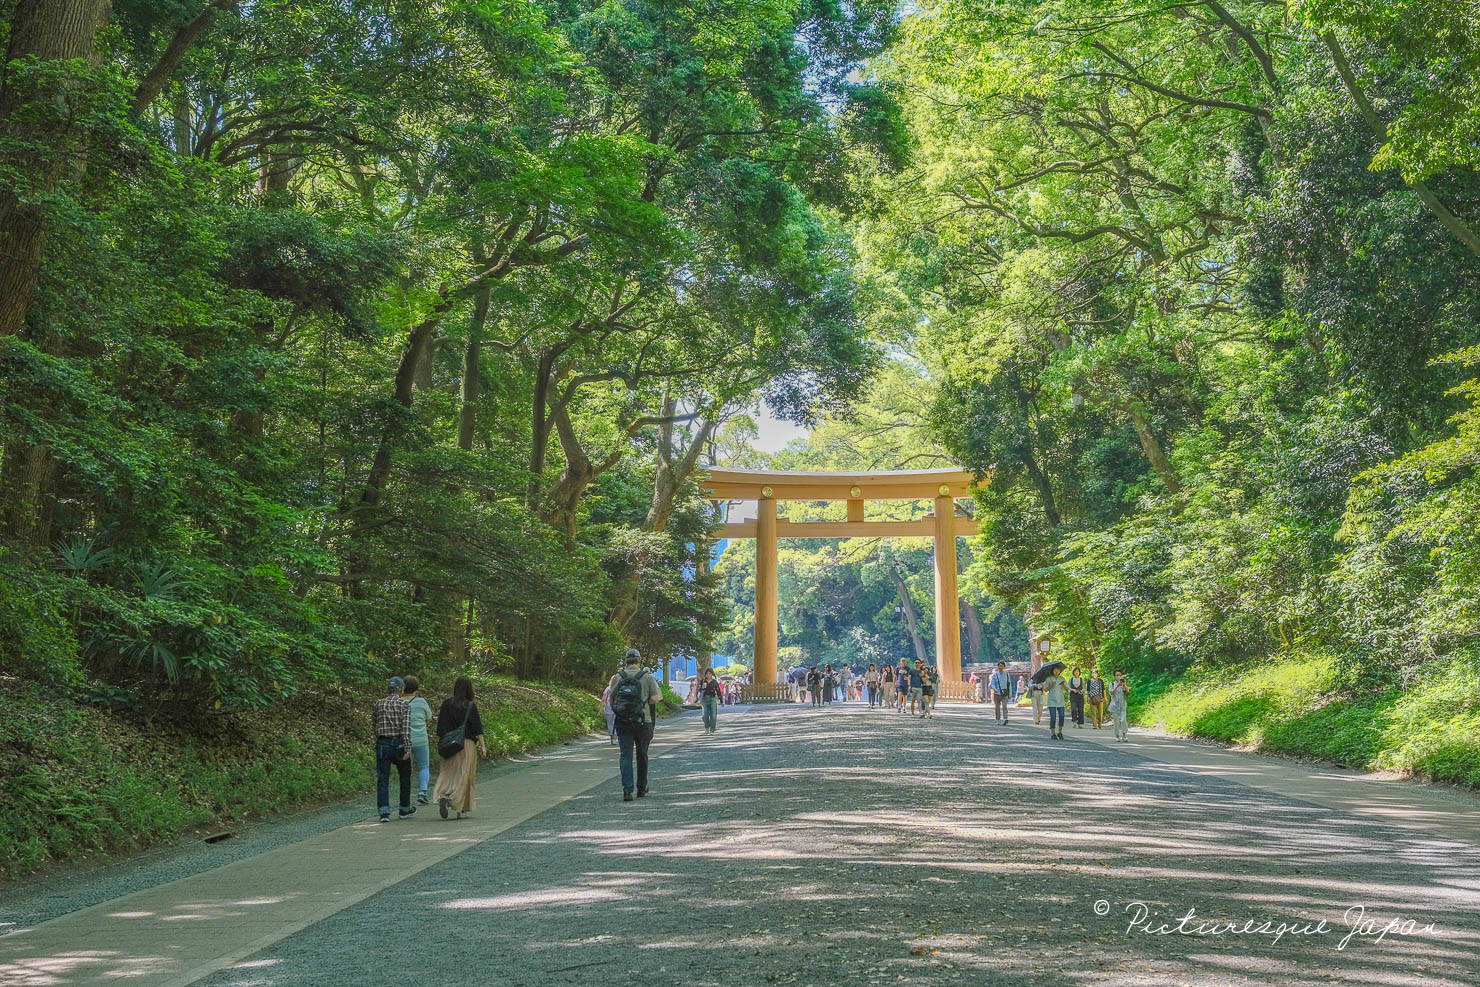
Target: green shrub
[(36, 638), (1305, 705)]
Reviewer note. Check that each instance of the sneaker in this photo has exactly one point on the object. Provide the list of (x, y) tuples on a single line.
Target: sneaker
[(421, 799), (385, 817), (642, 792), (407, 812), (443, 804), (626, 796)]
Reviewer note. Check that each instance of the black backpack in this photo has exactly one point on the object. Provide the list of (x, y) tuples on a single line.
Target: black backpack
[(627, 699)]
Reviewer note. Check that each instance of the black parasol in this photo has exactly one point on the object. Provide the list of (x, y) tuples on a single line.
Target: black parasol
[(1046, 671)]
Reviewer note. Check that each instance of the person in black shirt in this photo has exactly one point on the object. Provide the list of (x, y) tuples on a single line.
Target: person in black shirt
[(709, 696), (458, 775)]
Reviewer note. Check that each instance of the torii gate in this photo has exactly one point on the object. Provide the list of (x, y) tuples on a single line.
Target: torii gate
[(766, 487)]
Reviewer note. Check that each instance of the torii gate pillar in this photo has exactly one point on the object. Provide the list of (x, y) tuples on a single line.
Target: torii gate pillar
[(767, 620), (947, 599)]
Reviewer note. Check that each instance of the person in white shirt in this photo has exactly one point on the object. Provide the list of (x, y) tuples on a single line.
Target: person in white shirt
[(421, 754), (1120, 691), (1000, 685), (1055, 692)]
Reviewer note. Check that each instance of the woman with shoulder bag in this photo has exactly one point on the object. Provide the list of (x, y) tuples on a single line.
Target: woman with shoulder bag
[(460, 743)]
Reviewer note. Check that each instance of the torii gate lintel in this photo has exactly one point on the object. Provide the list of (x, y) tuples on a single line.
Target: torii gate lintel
[(766, 487)]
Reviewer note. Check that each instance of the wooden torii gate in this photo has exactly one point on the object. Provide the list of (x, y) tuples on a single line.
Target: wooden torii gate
[(767, 487)]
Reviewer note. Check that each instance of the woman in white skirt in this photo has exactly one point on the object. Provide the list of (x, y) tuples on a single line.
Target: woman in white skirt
[(1120, 691)]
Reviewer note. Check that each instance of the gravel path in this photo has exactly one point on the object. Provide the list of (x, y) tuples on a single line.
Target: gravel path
[(844, 846)]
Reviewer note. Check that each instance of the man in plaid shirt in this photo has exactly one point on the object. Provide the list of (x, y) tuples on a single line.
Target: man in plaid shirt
[(392, 723)]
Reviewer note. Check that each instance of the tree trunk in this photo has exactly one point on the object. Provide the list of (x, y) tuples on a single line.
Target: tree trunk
[(703, 657), (26, 475), (563, 499), (472, 381), (909, 610), (973, 631), (30, 114), (1155, 455), (972, 616), (540, 426), (186, 35), (1441, 211), (668, 479), (404, 393), (423, 378), (1045, 490), (180, 125)]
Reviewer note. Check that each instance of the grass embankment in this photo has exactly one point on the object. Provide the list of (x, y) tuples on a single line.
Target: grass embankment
[(82, 781), (1297, 705)]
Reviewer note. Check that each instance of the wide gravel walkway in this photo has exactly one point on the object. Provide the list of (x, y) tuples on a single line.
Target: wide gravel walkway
[(846, 846)]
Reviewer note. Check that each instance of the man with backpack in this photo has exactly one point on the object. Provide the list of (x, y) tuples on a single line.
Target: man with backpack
[(634, 699)]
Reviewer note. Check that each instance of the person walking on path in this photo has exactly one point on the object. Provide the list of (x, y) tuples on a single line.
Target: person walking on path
[(421, 753), (1055, 695), (611, 717), (1094, 690), (391, 722), (1035, 693), (847, 678), (709, 699), (929, 687), (460, 744), (814, 685), (886, 681), (1120, 691), (871, 685), (635, 696), (1076, 699), (1000, 685), (917, 685)]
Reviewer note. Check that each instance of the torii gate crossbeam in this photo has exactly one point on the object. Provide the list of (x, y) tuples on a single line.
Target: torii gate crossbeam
[(766, 487)]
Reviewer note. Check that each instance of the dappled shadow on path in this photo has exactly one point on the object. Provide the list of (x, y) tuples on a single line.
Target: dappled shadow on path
[(855, 847)]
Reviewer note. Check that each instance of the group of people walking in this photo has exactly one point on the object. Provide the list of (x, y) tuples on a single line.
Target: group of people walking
[(904, 687), (1056, 692), (824, 684), (402, 722)]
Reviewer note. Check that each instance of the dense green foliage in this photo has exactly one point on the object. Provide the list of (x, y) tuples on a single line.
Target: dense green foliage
[(1204, 287), (338, 338), (351, 337)]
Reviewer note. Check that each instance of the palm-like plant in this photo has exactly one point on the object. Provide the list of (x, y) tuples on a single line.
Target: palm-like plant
[(80, 554)]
